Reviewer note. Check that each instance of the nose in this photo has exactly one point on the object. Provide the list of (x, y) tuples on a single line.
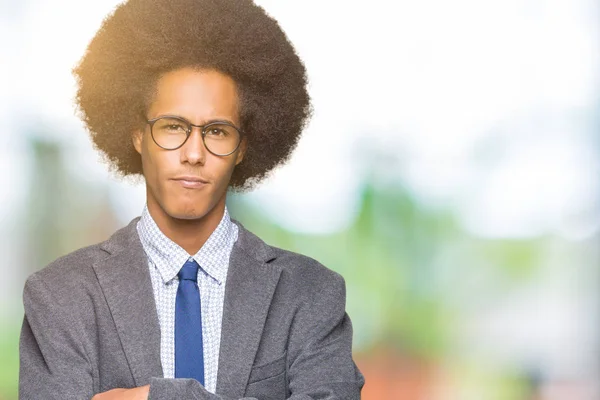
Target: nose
[(194, 151)]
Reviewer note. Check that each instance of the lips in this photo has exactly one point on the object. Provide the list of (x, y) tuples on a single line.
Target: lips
[(191, 182)]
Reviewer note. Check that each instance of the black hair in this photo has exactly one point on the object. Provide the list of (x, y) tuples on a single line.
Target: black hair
[(144, 39)]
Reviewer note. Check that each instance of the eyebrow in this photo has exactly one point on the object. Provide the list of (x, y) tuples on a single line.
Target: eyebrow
[(205, 122)]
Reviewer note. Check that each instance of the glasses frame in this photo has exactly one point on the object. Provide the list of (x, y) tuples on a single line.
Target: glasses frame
[(203, 129)]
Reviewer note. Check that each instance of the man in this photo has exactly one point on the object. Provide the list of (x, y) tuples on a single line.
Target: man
[(198, 96)]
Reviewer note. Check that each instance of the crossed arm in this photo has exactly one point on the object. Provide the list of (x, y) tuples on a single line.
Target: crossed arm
[(55, 362)]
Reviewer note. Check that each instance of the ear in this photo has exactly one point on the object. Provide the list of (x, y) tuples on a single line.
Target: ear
[(136, 138), (242, 151)]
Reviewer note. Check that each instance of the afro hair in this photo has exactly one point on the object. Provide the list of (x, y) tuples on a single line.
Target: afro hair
[(144, 39)]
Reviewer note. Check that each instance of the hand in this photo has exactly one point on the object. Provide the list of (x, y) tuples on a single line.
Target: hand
[(138, 393)]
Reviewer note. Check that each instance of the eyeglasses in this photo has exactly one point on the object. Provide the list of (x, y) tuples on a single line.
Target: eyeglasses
[(170, 132)]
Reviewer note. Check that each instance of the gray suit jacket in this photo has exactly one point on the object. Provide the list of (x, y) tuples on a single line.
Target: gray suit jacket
[(91, 325)]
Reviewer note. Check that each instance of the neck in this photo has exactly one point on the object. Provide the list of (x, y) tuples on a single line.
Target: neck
[(189, 234)]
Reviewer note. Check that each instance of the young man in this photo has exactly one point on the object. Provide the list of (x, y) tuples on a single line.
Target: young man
[(198, 96)]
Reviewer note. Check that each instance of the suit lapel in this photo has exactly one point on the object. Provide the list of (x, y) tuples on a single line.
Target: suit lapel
[(125, 282), (251, 282), (250, 285)]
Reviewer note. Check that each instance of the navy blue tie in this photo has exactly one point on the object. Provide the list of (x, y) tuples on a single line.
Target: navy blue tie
[(189, 355)]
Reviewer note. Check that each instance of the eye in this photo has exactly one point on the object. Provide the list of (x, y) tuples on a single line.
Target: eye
[(217, 131)]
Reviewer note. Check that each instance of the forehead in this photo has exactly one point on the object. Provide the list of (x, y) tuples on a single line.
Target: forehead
[(196, 94)]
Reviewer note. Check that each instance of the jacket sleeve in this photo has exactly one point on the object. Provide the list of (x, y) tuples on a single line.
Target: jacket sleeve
[(321, 366), (53, 362)]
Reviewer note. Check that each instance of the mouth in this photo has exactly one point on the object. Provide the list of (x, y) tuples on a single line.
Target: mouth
[(191, 182)]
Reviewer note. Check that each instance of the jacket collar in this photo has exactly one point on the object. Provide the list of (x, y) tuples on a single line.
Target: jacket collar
[(127, 237)]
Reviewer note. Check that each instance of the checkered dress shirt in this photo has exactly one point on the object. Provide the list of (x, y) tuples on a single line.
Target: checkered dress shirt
[(165, 259)]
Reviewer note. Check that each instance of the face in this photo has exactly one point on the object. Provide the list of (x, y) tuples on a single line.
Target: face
[(173, 190)]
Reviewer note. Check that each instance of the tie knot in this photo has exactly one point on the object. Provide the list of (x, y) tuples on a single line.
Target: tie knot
[(189, 271)]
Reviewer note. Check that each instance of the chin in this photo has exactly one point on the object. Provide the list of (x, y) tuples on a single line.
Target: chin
[(182, 207), (188, 213)]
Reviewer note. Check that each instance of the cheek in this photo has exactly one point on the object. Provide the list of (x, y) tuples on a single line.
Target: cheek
[(147, 163), (225, 169), (154, 163)]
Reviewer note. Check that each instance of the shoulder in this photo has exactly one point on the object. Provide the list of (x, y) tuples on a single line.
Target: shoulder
[(73, 273), (311, 283), (71, 265), (61, 291), (64, 279), (301, 275), (304, 269)]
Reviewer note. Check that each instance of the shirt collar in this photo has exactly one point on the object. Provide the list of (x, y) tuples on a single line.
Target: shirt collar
[(169, 257)]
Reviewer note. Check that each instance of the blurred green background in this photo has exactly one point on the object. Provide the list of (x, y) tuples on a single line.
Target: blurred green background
[(450, 174)]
